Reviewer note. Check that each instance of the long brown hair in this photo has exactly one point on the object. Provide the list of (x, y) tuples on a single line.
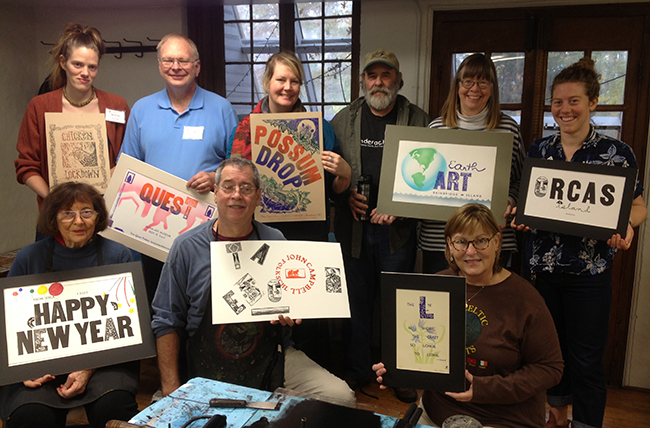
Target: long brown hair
[(75, 35), (481, 67)]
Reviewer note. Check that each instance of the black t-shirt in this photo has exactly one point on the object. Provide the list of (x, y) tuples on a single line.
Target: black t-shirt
[(373, 130)]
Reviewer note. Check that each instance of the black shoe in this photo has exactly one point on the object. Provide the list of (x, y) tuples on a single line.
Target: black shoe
[(407, 395)]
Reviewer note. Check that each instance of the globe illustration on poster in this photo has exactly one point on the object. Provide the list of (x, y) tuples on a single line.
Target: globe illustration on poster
[(421, 166)]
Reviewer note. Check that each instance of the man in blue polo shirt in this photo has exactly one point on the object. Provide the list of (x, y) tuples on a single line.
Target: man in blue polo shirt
[(182, 129)]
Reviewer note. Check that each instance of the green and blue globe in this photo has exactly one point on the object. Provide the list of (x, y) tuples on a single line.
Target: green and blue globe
[(420, 168)]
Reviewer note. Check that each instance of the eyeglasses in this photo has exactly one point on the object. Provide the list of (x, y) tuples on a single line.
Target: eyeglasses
[(479, 244), (244, 189), (468, 83), (182, 62), (70, 216)]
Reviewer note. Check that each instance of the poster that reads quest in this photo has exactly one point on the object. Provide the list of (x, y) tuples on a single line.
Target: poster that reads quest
[(62, 319), (286, 149), (149, 208)]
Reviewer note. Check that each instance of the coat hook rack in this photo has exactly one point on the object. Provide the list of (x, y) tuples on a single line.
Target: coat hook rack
[(139, 50)]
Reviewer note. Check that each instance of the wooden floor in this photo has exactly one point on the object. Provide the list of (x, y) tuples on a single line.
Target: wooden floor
[(626, 408)]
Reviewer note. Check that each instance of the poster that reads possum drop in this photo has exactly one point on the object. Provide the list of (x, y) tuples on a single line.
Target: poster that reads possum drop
[(74, 320), (77, 149), (259, 280), (148, 208), (430, 173), (286, 149)]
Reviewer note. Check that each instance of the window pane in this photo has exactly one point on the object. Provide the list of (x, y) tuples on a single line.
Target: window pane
[(311, 29), (309, 10), (515, 114), (557, 61), (337, 83), (265, 34), (266, 11), (330, 111), (338, 8), (346, 55), (608, 123), (241, 12), (236, 42), (550, 127), (510, 74), (612, 67), (337, 28), (239, 83), (243, 109), (313, 82)]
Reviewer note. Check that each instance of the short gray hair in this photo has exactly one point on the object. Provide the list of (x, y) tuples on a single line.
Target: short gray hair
[(195, 51), (239, 163)]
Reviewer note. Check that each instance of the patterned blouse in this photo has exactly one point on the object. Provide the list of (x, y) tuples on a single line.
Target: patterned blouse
[(555, 252)]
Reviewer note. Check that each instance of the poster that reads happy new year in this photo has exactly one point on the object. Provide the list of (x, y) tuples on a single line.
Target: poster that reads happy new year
[(77, 149), (286, 149), (148, 208), (259, 280), (74, 320), (429, 173)]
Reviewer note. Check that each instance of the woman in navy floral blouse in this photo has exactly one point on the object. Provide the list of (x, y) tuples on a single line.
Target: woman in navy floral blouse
[(573, 273)]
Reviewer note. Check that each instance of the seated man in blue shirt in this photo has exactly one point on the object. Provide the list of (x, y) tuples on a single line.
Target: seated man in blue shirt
[(258, 355)]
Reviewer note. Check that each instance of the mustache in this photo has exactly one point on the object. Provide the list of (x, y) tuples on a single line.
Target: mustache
[(385, 91)]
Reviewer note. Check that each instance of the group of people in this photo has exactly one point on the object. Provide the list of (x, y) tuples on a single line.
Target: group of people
[(550, 339)]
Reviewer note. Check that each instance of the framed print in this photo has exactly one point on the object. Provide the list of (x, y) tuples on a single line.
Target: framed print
[(429, 173), (73, 320), (259, 280), (423, 331), (574, 198), (148, 208), (286, 149), (77, 149)]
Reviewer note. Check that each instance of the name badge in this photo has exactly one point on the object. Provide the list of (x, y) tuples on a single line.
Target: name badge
[(192, 133), (117, 116)]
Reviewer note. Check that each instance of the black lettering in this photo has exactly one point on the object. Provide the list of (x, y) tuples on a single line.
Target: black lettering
[(103, 303), (94, 331), (571, 191), (81, 328), (590, 194), (124, 324), (556, 189), (59, 334), (71, 306), (87, 303), (25, 341), (57, 312), (42, 315), (608, 197)]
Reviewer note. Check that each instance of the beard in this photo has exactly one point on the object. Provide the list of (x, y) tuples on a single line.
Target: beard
[(380, 98)]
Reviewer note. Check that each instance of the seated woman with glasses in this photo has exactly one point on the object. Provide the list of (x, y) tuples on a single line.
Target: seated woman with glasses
[(512, 349), (71, 216), (473, 104), (75, 63), (283, 78)]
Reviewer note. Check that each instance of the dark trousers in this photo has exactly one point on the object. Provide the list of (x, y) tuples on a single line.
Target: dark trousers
[(363, 277), (580, 306), (120, 405)]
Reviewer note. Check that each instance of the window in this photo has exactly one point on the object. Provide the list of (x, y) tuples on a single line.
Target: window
[(321, 35)]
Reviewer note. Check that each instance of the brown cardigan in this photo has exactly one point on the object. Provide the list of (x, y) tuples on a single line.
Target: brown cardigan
[(32, 145)]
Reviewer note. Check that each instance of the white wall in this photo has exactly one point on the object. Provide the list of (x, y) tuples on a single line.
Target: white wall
[(19, 82)]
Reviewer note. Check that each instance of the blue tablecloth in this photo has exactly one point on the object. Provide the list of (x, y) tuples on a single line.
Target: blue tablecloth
[(192, 399)]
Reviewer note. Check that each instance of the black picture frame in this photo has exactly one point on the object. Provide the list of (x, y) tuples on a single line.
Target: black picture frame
[(454, 286), (574, 222), (83, 361)]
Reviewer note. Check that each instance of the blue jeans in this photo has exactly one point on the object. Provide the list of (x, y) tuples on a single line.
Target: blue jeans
[(580, 306), (363, 276)]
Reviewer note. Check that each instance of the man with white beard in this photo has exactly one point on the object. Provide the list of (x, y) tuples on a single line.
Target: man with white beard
[(382, 242)]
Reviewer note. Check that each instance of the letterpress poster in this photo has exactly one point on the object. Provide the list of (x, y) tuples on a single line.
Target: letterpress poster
[(52, 322), (148, 208), (429, 173), (286, 149), (77, 149), (259, 280)]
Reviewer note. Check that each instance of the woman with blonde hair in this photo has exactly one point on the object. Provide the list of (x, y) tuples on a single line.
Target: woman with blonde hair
[(74, 66), (473, 104)]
